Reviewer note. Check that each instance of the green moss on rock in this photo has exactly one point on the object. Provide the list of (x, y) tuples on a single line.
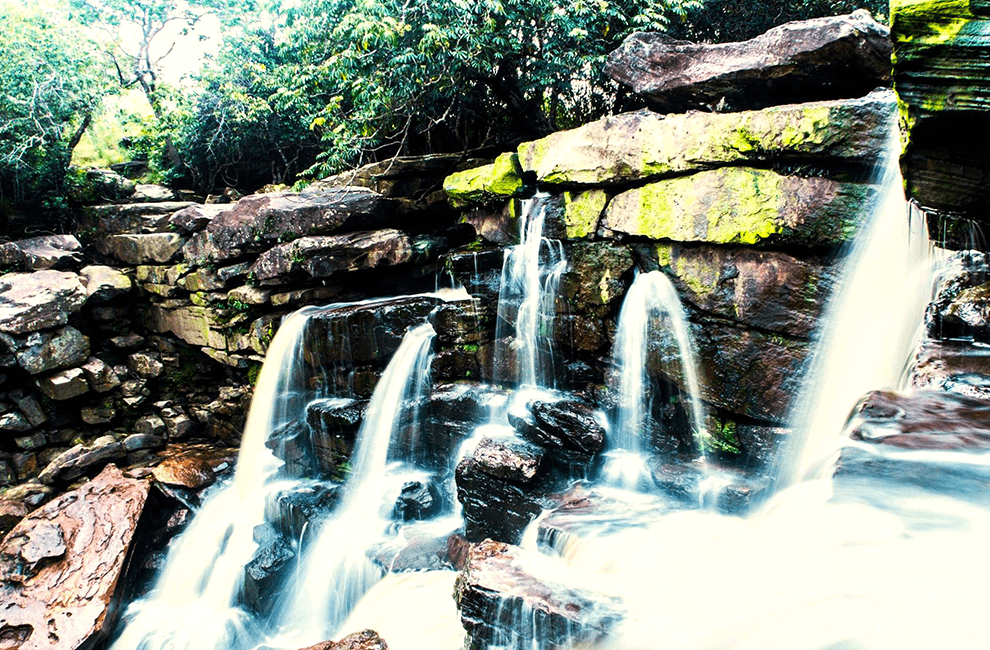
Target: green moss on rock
[(501, 179), (582, 211)]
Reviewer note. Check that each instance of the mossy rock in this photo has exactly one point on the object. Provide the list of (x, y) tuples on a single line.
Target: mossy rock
[(481, 185)]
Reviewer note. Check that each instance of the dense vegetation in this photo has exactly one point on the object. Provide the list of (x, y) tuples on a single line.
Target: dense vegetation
[(308, 89)]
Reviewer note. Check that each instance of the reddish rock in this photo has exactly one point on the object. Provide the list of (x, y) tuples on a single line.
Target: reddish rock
[(61, 566), (925, 420), (956, 366), (364, 640), (185, 471), (823, 58), (498, 598)]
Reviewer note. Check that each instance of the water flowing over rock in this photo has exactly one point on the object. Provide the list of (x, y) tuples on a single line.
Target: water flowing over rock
[(62, 565), (503, 605), (823, 58)]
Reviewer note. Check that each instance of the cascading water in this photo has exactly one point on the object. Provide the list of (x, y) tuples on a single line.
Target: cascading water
[(335, 571), (870, 329), (651, 294), (530, 277), (194, 604)]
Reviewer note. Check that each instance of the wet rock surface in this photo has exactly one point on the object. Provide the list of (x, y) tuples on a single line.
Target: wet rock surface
[(502, 603), (61, 566), (823, 58), (364, 640)]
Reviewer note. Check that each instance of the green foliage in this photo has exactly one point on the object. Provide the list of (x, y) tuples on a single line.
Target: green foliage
[(723, 21), (50, 82)]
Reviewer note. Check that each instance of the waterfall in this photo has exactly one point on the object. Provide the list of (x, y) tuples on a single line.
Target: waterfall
[(870, 329), (335, 571), (194, 604), (651, 294), (530, 277)]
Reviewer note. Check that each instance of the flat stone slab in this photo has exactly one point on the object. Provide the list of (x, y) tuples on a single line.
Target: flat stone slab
[(822, 58), (39, 253), (34, 301), (60, 567)]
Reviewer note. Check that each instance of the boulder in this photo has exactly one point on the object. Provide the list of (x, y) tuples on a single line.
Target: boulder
[(151, 193), (644, 145), (39, 253), (195, 217), (319, 257), (364, 640), (61, 566), (502, 603), (256, 222), (822, 58), (941, 71), (764, 290), (64, 385), (34, 301), (742, 205), (499, 180), (493, 508), (145, 364), (595, 276), (567, 425), (104, 283), (417, 500), (101, 377), (158, 247), (73, 463), (266, 570), (509, 458), (41, 352)]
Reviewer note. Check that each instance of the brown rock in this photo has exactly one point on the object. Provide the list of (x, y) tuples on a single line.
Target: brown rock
[(38, 253), (495, 593), (189, 472), (320, 257), (60, 567), (823, 58), (363, 640), (954, 366)]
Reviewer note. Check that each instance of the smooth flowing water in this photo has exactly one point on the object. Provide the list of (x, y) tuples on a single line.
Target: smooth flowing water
[(527, 297), (651, 295), (335, 571), (870, 329), (195, 602)]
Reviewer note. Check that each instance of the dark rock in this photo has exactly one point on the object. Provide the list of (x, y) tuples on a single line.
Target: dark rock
[(462, 322), (303, 506), (78, 460), (509, 459), (139, 441), (822, 58), (145, 364), (293, 444), (570, 425), (61, 566), (130, 219), (34, 301), (364, 640), (417, 500), (40, 352), (940, 70), (14, 423), (320, 257), (502, 604), (100, 376), (266, 570), (479, 271), (493, 508), (594, 276)]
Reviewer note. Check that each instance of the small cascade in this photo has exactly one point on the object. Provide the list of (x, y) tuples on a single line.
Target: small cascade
[(335, 571), (530, 277), (651, 295), (194, 604), (870, 329)]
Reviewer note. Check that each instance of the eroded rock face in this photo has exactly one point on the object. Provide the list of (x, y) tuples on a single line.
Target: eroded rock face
[(502, 604), (61, 565), (493, 508), (364, 640), (823, 58), (642, 145), (34, 301), (942, 54)]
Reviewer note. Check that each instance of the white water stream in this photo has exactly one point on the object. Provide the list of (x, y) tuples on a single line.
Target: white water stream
[(651, 294)]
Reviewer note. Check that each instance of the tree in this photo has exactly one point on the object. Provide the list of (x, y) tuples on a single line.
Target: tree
[(50, 82)]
